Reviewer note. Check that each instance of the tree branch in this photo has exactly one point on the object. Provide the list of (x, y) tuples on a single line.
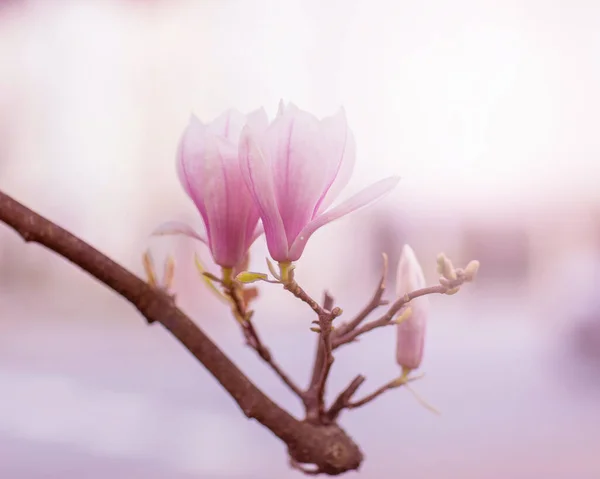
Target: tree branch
[(387, 318), (375, 303), (329, 448)]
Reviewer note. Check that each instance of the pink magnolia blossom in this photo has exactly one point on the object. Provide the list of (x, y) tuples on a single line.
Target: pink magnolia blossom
[(411, 331), (295, 171), (209, 171)]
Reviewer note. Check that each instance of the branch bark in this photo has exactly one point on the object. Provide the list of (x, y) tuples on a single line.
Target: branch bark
[(328, 447)]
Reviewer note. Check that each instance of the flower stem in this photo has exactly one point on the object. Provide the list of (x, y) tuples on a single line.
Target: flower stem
[(227, 276), (284, 271)]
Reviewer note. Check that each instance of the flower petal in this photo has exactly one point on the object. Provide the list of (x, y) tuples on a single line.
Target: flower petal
[(257, 175), (177, 228), (339, 149), (364, 197), (228, 125), (258, 121), (258, 232), (409, 274), (280, 108), (190, 163), (190, 143), (231, 213), (294, 143)]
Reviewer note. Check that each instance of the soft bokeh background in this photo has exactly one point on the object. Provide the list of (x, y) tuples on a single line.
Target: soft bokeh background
[(490, 112)]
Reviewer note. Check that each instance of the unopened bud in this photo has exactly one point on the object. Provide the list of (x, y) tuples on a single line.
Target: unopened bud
[(409, 275), (445, 267), (410, 337), (471, 270), (412, 323)]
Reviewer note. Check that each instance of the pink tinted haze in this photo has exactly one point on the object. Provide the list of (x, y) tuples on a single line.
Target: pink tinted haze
[(411, 332), (209, 171), (295, 170)]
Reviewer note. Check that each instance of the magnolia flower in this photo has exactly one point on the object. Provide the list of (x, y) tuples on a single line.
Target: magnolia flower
[(411, 329), (295, 171), (209, 171)]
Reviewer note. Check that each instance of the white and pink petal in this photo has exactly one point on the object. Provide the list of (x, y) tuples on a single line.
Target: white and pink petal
[(368, 195)]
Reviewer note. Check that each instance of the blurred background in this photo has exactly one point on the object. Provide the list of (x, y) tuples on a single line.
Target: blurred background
[(490, 113)]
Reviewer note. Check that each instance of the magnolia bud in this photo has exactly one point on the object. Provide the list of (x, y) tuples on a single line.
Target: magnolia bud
[(445, 267), (471, 270), (409, 276), (411, 330)]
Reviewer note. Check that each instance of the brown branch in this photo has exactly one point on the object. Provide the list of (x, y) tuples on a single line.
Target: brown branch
[(375, 303), (328, 447), (387, 318)]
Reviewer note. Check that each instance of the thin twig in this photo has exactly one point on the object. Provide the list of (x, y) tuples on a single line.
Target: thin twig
[(344, 397), (302, 295), (393, 384), (253, 339), (387, 318), (373, 304), (265, 355)]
